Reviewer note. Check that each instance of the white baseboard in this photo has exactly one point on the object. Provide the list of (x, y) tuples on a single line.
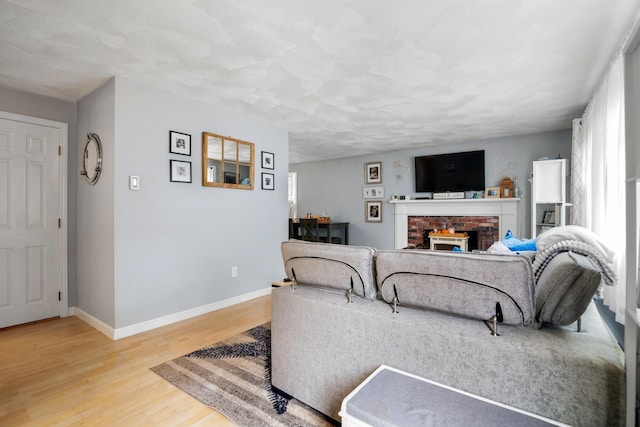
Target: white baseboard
[(92, 321), (127, 331)]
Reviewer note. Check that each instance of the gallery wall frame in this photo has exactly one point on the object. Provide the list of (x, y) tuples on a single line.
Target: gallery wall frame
[(373, 192), (268, 160), (179, 143), (373, 211), (267, 181), (180, 171), (373, 173)]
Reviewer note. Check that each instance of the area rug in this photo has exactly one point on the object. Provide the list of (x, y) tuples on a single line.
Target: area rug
[(234, 377)]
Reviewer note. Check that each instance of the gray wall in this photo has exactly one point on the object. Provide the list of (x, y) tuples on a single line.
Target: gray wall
[(335, 186), (96, 209), (173, 244), (28, 104)]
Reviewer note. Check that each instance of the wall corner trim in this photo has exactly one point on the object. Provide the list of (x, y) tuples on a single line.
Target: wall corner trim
[(92, 321)]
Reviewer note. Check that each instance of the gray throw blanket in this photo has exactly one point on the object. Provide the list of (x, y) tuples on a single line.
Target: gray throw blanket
[(542, 258)]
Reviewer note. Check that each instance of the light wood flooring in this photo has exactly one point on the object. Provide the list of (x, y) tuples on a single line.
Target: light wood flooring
[(62, 372)]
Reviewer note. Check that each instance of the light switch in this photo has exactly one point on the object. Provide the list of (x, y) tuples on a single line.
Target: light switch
[(134, 182)]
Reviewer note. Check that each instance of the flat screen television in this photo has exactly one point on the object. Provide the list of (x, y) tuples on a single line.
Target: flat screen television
[(450, 172)]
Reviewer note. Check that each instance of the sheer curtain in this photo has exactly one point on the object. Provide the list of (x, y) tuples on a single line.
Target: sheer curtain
[(598, 174), (293, 194)]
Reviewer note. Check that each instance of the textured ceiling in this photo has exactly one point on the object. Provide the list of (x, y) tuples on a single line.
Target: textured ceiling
[(344, 77)]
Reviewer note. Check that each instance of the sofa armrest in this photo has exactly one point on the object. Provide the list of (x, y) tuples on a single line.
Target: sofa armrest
[(565, 288)]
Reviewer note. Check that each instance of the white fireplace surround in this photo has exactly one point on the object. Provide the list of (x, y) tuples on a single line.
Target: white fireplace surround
[(505, 209)]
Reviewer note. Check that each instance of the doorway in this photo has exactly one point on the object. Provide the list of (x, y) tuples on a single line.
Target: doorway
[(33, 243)]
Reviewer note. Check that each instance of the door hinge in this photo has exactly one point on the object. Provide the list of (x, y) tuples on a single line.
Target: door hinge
[(59, 222), (59, 296), (59, 150)]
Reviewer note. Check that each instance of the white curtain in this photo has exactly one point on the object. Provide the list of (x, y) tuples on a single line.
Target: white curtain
[(293, 194), (598, 174)]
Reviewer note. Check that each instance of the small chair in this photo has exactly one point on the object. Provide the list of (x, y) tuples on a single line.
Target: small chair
[(311, 230)]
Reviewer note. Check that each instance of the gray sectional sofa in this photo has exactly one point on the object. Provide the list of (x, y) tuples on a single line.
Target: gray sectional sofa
[(432, 314)]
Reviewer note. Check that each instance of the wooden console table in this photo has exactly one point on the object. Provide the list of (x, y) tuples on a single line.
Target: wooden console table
[(450, 239)]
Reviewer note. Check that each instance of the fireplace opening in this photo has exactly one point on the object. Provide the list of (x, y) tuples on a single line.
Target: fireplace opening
[(482, 230), (481, 239)]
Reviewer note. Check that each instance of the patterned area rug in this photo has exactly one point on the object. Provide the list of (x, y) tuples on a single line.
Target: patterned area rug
[(234, 377)]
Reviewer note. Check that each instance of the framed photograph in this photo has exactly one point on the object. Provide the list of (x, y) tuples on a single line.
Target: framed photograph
[(373, 192), (549, 217), (492, 193), (373, 173), (230, 178), (179, 171), (373, 211), (179, 143), (267, 181), (268, 160)]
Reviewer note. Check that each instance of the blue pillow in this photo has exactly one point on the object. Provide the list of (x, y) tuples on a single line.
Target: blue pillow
[(514, 244)]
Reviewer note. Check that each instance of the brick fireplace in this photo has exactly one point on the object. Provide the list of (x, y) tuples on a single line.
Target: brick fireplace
[(482, 230), (414, 217)]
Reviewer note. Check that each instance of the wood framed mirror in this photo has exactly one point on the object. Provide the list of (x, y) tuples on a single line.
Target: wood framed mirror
[(227, 162)]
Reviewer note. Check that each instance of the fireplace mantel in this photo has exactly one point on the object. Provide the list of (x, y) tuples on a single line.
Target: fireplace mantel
[(505, 209)]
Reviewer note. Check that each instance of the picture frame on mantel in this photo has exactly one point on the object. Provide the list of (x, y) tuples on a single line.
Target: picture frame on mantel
[(492, 193), (373, 173)]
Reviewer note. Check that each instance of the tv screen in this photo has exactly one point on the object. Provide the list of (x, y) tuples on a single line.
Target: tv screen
[(450, 172)]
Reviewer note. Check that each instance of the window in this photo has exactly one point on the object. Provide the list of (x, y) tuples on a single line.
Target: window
[(293, 194)]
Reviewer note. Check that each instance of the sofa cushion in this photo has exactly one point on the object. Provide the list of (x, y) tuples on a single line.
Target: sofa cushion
[(565, 288), (329, 266), (465, 284)]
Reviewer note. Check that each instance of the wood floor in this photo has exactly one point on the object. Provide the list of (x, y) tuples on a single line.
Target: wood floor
[(62, 372)]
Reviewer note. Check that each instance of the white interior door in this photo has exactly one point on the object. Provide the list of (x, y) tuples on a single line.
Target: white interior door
[(31, 212)]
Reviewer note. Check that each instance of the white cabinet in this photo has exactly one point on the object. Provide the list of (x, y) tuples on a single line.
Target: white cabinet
[(548, 195)]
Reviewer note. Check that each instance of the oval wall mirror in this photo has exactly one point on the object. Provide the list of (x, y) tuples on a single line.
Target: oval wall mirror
[(92, 159)]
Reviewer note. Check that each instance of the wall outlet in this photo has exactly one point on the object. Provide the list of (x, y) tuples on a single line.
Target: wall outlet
[(234, 271)]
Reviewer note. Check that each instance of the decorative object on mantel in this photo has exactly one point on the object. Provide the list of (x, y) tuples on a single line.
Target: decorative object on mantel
[(492, 193), (516, 187), (373, 173), (506, 188), (268, 160), (180, 171), (373, 192), (449, 195), (179, 143), (373, 211)]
